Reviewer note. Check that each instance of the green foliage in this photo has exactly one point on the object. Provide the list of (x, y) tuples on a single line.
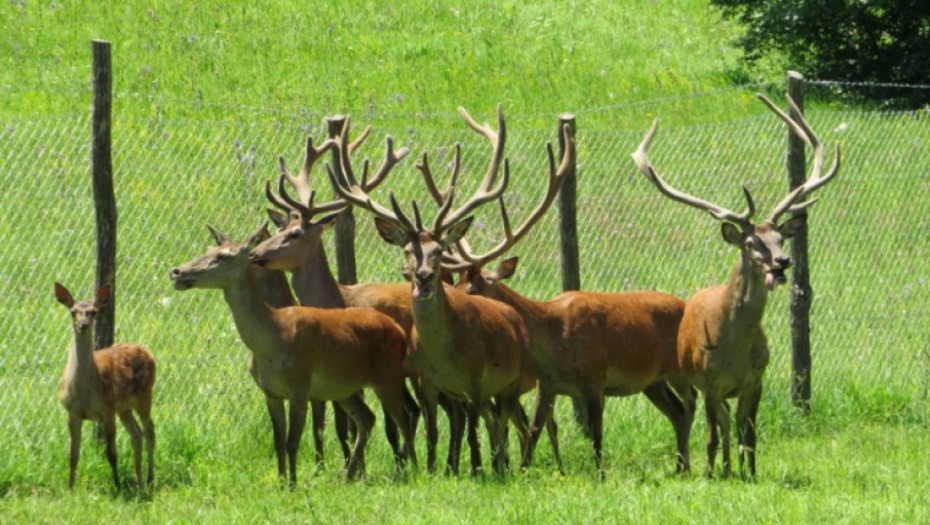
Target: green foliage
[(883, 41)]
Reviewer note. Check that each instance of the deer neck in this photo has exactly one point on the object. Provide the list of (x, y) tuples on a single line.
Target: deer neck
[(531, 311), (434, 318), (746, 295), (314, 282), (255, 320), (82, 369)]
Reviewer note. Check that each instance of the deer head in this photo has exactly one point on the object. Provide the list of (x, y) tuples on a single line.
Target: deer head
[(83, 312), (222, 265), (761, 244)]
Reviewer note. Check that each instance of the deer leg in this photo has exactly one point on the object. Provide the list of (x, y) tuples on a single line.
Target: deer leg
[(662, 396), (297, 421), (135, 438), (471, 419), (278, 431), (746, 410), (396, 406), (364, 420), (341, 421), (428, 400), (542, 412), (508, 403), (595, 409), (456, 414), (718, 428), (109, 432), (317, 423), (74, 429), (144, 409), (390, 432), (552, 430)]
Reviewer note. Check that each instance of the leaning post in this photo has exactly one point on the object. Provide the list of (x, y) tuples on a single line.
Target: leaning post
[(345, 224), (104, 198), (568, 213), (801, 292)]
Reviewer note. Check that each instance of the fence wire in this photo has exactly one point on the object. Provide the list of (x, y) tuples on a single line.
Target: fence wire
[(869, 260)]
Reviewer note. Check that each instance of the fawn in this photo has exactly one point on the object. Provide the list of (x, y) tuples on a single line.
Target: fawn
[(98, 385)]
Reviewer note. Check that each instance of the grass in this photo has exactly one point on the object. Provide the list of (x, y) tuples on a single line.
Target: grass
[(207, 96)]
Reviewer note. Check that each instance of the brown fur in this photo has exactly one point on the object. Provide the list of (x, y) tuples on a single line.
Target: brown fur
[(587, 345), (98, 386), (303, 353)]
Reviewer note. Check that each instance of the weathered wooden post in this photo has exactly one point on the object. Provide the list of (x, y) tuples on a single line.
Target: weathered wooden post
[(801, 292), (104, 198), (345, 223), (568, 213)]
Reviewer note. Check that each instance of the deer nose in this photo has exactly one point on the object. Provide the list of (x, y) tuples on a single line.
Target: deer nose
[(784, 261), (174, 272)]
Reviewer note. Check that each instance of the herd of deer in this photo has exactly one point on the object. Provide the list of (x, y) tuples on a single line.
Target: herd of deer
[(473, 347)]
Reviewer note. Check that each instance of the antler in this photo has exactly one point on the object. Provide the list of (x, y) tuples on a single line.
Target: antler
[(349, 187), (354, 191), (304, 203), (486, 192), (815, 179), (642, 161), (466, 258)]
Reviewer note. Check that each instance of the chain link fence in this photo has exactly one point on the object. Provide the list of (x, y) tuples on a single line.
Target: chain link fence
[(869, 241)]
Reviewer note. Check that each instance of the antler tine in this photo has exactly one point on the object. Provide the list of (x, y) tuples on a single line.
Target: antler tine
[(498, 140), (445, 218), (815, 180), (641, 158), (391, 159), (512, 236), (439, 197), (355, 144)]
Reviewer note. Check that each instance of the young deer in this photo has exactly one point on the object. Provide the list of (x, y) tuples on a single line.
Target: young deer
[(721, 345), (301, 353), (99, 385), (471, 348)]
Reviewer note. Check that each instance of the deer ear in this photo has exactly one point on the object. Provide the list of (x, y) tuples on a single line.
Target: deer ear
[(455, 232), (507, 268), (279, 219), (327, 221), (256, 238), (219, 236), (791, 227), (103, 295), (390, 232), (63, 295), (730, 233)]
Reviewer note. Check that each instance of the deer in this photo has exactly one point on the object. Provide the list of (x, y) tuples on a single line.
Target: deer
[(586, 344), (297, 247), (468, 347), (722, 347), (99, 385), (301, 353)]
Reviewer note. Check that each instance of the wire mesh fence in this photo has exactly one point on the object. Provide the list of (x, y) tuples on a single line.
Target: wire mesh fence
[(172, 177)]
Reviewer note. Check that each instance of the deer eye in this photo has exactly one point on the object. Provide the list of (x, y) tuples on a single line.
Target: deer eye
[(295, 233)]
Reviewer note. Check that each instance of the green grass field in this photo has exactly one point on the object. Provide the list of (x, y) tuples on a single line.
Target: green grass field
[(207, 97)]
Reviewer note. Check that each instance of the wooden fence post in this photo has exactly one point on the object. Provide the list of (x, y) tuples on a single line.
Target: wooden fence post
[(801, 292), (345, 224), (568, 213), (104, 199)]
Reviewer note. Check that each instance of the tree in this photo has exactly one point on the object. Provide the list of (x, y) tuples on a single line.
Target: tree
[(885, 41)]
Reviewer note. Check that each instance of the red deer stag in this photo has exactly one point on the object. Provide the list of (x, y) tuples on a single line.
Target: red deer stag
[(587, 345), (303, 353), (471, 348), (722, 347), (100, 385), (298, 248)]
